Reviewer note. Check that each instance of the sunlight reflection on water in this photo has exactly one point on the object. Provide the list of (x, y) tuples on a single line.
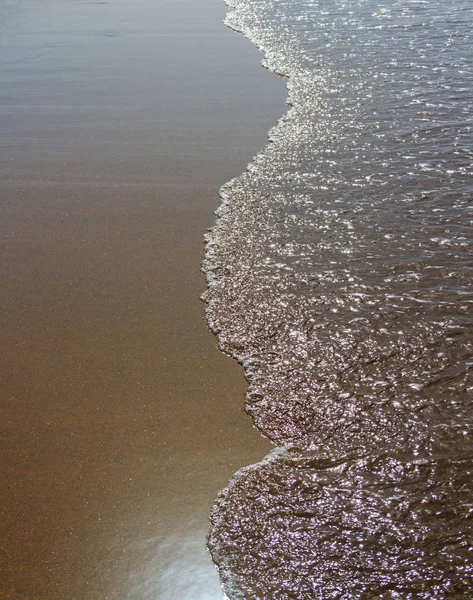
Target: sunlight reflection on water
[(177, 571)]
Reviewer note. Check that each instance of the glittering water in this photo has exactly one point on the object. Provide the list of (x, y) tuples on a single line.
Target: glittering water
[(340, 275)]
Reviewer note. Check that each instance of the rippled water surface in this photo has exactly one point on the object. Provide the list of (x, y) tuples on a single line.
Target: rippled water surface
[(340, 275)]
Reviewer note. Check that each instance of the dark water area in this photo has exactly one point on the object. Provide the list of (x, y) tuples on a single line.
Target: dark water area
[(340, 276)]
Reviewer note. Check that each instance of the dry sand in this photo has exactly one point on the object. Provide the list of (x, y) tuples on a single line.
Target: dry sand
[(120, 420)]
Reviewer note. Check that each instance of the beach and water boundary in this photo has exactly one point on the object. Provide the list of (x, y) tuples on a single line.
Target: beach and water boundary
[(327, 273), (120, 418)]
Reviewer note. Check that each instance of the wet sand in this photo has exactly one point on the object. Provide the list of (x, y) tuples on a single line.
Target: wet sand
[(120, 420)]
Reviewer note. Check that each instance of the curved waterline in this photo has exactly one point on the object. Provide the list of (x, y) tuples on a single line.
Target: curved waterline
[(339, 275)]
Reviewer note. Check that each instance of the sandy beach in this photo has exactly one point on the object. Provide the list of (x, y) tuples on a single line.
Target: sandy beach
[(120, 419)]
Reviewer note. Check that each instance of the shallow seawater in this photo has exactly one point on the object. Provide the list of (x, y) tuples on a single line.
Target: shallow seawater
[(340, 275)]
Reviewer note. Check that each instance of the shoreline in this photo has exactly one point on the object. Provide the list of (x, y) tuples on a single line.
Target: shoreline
[(122, 420)]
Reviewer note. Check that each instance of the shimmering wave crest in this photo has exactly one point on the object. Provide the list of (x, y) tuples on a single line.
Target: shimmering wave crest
[(340, 275)]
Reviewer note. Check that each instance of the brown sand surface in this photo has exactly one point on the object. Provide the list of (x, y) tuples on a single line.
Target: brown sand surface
[(120, 420)]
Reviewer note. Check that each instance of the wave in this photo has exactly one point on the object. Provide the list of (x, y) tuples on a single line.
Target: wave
[(339, 275)]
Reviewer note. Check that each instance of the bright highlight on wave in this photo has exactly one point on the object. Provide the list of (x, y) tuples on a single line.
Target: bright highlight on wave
[(340, 275)]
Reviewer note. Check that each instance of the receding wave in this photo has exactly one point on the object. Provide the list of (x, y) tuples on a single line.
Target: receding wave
[(340, 275)]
